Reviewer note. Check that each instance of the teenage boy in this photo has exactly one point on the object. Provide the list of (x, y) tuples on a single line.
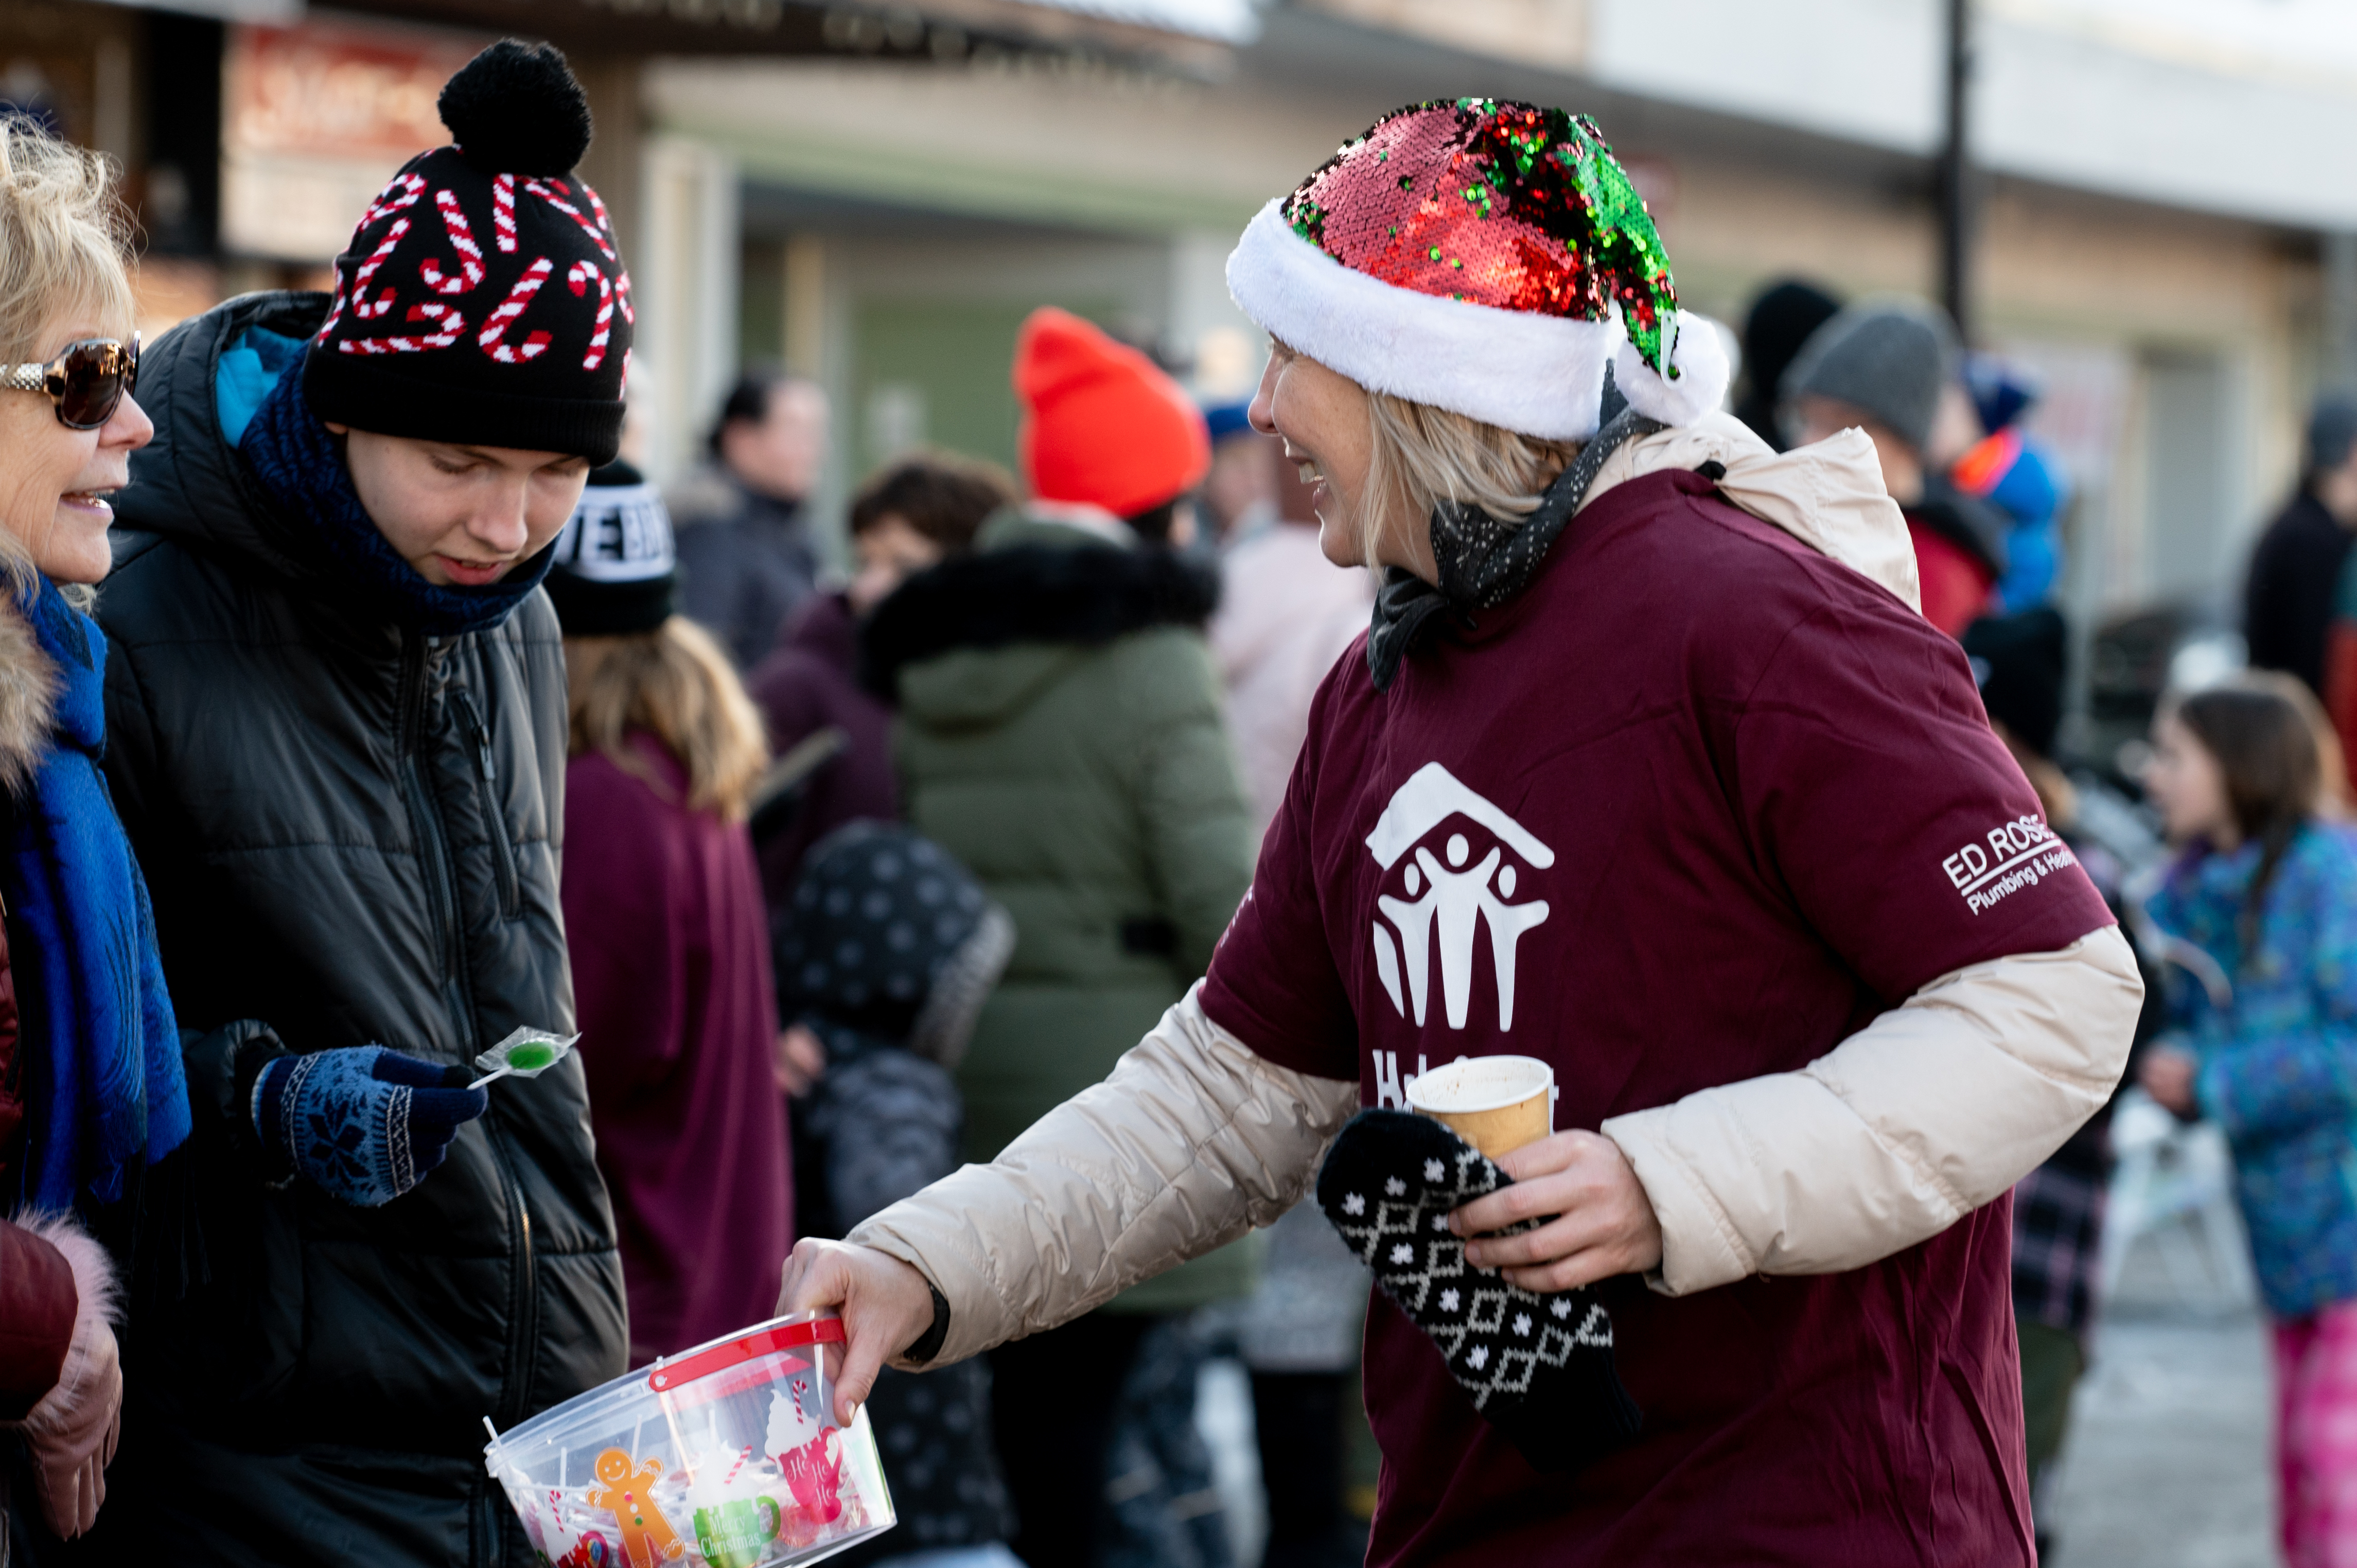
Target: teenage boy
[(338, 701)]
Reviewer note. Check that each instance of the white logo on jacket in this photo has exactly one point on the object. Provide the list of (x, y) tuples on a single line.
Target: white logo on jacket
[(1447, 901), (2019, 853)]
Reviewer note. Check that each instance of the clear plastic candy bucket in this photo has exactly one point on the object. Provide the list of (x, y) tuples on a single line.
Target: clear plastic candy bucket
[(724, 1457)]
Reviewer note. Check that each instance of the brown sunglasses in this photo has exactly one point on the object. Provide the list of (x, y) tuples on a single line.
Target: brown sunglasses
[(87, 381)]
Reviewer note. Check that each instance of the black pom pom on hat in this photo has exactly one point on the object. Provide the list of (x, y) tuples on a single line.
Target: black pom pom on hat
[(517, 109), (482, 298)]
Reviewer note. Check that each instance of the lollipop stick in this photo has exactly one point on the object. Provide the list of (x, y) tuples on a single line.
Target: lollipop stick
[(488, 1077)]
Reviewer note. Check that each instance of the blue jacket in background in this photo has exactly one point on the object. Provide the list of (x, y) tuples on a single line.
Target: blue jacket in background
[(2279, 1062)]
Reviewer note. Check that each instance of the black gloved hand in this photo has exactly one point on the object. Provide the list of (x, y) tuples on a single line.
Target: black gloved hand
[(1539, 1367)]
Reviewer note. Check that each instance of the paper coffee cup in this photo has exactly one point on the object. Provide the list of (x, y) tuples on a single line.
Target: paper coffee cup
[(1495, 1103)]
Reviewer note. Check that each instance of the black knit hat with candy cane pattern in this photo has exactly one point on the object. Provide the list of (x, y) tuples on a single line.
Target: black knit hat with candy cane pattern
[(483, 299)]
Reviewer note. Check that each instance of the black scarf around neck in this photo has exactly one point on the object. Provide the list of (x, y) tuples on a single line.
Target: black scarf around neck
[(1483, 559)]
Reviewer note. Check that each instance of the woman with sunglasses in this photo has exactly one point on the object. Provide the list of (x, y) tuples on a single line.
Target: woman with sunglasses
[(92, 1103)]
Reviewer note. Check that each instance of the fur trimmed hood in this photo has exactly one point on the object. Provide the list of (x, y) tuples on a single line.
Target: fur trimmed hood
[(1031, 583), (28, 700)]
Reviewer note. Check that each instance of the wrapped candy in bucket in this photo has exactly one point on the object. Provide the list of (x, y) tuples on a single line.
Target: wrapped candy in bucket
[(724, 1457)]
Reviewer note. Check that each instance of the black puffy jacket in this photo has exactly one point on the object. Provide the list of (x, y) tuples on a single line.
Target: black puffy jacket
[(351, 837)]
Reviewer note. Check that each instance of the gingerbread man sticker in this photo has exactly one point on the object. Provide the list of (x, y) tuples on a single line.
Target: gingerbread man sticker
[(648, 1538)]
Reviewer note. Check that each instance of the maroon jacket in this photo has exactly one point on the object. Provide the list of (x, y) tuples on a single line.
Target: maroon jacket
[(1686, 810), (805, 684), (37, 1297), (678, 1020)]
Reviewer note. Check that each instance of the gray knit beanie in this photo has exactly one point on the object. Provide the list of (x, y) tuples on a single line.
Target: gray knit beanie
[(2331, 431), (1887, 357)]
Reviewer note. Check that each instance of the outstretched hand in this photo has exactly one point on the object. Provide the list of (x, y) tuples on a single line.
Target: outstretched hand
[(1604, 1223), (887, 1307)]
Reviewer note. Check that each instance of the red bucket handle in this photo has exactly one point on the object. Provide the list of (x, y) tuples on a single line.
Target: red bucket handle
[(669, 1375)]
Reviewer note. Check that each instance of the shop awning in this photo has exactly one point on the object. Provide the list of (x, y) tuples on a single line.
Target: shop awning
[(1195, 37)]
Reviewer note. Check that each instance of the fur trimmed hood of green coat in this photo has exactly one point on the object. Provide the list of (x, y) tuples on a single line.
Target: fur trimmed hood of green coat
[(1060, 733), (1046, 587)]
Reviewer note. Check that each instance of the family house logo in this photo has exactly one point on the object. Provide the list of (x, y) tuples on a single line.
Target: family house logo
[(1449, 895)]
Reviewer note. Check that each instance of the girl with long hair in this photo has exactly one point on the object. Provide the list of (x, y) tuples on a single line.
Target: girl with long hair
[(664, 921), (2268, 889)]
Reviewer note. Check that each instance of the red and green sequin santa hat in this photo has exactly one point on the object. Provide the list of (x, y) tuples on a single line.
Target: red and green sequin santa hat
[(1487, 257)]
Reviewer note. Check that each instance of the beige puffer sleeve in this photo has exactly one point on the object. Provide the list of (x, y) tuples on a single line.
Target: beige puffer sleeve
[(1918, 1119), (1190, 1142)]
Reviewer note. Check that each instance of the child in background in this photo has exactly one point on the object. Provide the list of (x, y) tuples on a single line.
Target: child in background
[(910, 515), (2269, 890), (885, 954), (664, 923)]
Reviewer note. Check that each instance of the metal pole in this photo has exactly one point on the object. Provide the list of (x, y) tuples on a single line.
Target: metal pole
[(2339, 368), (1955, 176)]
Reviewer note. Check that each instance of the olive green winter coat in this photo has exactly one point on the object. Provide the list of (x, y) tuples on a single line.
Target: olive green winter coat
[(1060, 732)]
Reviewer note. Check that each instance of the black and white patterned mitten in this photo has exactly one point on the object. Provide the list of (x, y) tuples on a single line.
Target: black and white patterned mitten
[(1539, 1367)]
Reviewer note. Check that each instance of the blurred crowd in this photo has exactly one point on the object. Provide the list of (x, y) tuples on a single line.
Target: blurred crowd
[(869, 864)]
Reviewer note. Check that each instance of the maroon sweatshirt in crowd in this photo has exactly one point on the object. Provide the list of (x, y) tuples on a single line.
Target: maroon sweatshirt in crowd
[(805, 685), (678, 1020), (1693, 807)]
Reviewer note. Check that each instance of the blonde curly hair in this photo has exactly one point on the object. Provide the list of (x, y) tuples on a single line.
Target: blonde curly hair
[(65, 238)]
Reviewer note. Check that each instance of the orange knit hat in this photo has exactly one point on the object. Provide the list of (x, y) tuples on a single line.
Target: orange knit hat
[(1101, 423)]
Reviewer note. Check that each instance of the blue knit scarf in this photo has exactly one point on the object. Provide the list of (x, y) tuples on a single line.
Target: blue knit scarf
[(297, 461), (104, 1086)]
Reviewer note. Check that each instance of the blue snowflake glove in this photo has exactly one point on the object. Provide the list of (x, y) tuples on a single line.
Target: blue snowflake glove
[(365, 1124)]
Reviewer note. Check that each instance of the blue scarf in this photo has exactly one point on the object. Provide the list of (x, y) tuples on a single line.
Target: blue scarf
[(106, 1086), (297, 461)]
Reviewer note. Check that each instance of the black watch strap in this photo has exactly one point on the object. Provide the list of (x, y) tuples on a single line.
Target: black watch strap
[(928, 1344)]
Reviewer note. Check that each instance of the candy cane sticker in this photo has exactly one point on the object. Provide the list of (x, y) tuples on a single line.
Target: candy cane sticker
[(577, 279), (495, 329), (503, 213), (462, 240), (335, 311), (410, 185), (360, 305), (541, 188), (450, 322), (597, 206)]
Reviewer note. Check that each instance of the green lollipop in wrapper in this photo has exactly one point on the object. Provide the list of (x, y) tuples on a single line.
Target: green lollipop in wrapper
[(527, 1053)]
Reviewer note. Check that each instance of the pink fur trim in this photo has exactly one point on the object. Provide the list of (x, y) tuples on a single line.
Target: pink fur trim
[(97, 1289)]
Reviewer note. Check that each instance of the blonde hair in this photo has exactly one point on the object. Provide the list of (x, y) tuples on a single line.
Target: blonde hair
[(1423, 456), (65, 237), (65, 249), (676, 685)]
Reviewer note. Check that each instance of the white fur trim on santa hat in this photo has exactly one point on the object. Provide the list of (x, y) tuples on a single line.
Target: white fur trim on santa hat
[(1540, 375), (1700, 359)]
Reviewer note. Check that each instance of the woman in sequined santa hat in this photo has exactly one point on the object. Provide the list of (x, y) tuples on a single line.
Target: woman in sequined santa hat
[(1650, 770)]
